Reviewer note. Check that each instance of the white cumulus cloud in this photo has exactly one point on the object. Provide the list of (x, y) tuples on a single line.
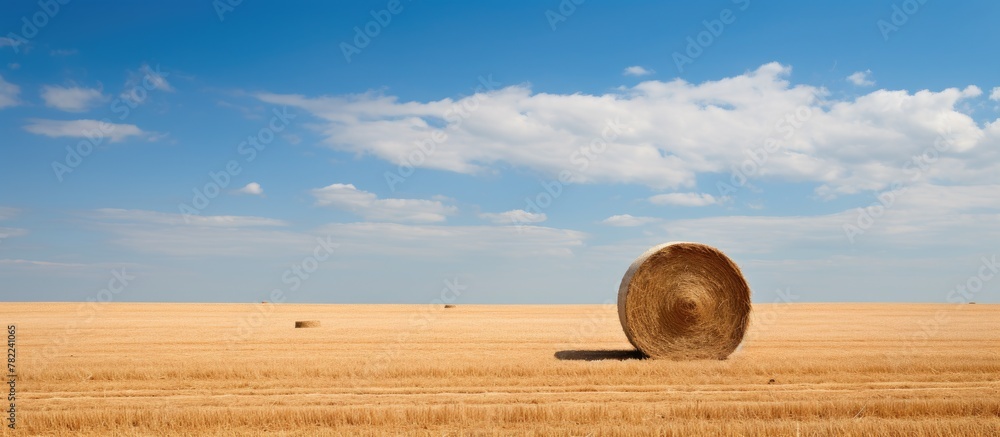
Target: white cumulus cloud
[(861, 78), (667, 135), (368, 205), (71, 99), (995, 94), (686, 199), (252, 188), (636, 70)]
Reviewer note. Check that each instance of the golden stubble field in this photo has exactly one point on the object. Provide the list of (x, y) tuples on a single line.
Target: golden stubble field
[(236, 369)]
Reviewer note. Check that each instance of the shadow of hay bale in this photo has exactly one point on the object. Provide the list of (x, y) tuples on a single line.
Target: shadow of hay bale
[(307, 324), (598, 355)]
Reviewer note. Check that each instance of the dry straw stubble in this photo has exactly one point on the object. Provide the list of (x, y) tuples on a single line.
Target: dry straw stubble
[(684, 301)]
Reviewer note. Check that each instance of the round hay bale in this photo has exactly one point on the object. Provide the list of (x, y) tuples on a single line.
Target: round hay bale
[(449, 306), (684, 301), (307, 324)]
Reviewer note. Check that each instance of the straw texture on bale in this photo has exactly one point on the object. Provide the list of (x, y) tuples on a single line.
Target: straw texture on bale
[(307, 324), (684, 301)]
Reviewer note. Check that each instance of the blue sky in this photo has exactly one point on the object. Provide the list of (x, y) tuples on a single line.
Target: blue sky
[(837, 151)]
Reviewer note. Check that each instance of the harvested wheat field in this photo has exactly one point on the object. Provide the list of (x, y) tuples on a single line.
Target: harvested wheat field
[(233, 369)]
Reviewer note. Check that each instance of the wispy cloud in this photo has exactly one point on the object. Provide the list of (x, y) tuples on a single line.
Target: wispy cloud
[(249, 112), (156, 78), (627, 220), (404, 239), (162, 218), (242, 236), (515, 216), (7, 42), (64, 52), (8, 93), (11, 232), (928, 217), (32, 263), (369, 206), (200, 236), (140, 82), (686, 199), (71, 99), (85, 129), (7, 212)]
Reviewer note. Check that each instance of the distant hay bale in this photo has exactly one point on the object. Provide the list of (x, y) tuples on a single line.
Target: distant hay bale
[(684, 301), (449, 306), (972, 303), (307, 324)]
